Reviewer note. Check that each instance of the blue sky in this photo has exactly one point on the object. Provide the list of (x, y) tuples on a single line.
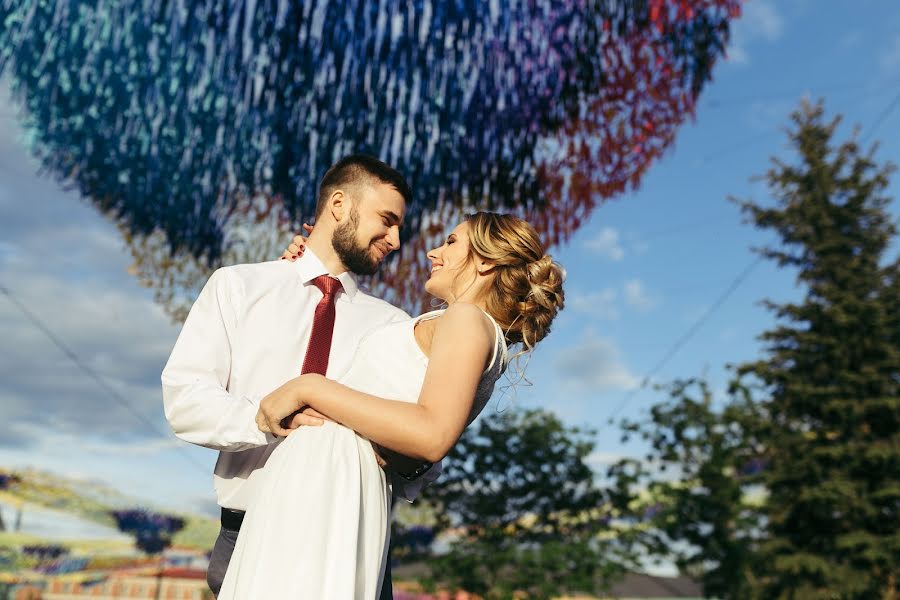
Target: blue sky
[(642, 272)]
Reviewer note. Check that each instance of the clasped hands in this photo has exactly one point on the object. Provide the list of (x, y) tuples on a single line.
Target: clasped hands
[(284, 411)]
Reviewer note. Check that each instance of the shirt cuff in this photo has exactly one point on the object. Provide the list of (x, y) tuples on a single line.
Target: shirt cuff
[(251, 433), (410, 489)]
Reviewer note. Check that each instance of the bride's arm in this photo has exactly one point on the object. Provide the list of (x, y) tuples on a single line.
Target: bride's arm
[(462, 345)]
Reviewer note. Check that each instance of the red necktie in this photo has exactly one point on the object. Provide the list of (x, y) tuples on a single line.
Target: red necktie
[(319, 347)]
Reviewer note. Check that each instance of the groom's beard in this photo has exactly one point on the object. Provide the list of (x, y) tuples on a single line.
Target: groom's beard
[(356, 258)]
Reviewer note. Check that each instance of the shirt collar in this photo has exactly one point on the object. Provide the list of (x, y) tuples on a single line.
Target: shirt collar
[(309, 266)]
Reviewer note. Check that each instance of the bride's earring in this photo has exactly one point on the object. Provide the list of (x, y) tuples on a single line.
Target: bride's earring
[(485, 268)]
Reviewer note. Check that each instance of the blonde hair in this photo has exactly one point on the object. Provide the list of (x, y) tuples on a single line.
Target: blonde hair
[(526, 293)]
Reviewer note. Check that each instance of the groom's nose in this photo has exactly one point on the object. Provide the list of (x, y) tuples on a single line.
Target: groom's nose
[(393, 238)]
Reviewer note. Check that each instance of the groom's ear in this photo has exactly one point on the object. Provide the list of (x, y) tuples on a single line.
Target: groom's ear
[(339, 205)]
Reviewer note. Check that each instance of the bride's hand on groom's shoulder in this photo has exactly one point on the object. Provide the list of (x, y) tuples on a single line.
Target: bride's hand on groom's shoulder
[(297, 246)]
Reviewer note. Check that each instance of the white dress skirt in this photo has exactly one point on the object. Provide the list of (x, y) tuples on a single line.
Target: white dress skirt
[(318, 525)]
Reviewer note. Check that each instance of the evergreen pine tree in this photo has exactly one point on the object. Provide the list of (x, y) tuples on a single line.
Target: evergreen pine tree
[(831, 373)]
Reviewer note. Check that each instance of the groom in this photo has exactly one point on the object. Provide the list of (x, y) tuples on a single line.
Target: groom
[(254, 327)]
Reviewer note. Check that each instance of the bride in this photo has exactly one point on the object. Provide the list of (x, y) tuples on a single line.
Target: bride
[(318, 526)]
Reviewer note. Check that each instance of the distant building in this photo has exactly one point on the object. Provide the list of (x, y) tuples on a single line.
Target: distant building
[(168, 584), (646, 587), (633, 586)]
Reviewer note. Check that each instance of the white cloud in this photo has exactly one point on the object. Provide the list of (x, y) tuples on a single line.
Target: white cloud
[(736, 54), (760, 21), (146, 448), (605, 304), (637, 297), (595, 364), (607, 244), (601, 305), (100, 447), (66, 265), (122, 338)]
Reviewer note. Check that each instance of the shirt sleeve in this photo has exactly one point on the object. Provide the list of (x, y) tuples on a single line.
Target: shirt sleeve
[(197, 402), (409, 489)]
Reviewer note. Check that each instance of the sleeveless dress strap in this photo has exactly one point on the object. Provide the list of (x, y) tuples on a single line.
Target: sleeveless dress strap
[(499, 345), (431, 314)]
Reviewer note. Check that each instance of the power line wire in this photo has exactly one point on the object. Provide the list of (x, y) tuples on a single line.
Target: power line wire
[(881, 118), (756, 138), (37, 322), (686, 336), (728, 291)]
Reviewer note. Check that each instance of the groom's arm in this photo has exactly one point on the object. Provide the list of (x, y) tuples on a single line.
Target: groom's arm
[(198, 405), (402, 464)]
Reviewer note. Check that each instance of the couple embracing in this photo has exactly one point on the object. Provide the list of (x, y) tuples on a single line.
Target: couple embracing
[(326, 403)]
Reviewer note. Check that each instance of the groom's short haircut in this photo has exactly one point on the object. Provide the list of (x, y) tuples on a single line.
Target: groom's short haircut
[(359, 169)]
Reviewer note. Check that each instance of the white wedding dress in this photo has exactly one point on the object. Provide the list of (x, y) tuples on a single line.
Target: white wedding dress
[(318, 526)]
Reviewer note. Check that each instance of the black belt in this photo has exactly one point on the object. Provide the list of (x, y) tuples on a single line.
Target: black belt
[(232, 519)]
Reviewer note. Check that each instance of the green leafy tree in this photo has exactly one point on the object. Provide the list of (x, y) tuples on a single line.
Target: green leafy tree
[(696, 500), (831, 373), (520, 498)]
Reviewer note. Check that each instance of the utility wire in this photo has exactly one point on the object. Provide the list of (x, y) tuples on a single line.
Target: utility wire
[(87, 370), (759, 137), (686, 336), (881, 118), (680, 342)]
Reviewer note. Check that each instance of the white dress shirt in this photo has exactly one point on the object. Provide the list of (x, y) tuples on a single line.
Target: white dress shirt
[(245, 336)]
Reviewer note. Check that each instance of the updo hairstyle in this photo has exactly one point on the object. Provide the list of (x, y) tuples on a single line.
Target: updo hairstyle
[(527, 290)]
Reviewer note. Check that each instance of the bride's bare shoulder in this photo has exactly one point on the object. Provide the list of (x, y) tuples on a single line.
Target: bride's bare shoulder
[(464, 316)]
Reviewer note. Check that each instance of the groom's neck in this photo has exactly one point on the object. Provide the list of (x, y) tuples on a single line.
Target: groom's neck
[(320, 243)]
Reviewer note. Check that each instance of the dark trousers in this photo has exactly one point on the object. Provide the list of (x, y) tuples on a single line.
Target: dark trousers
[(219, 559), (224, 548)]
